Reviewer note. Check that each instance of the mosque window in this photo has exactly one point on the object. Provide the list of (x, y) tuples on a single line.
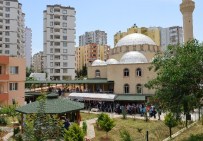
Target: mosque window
[(126, 88), (139, 72), (139, 89), (126, 72), (97, 73)]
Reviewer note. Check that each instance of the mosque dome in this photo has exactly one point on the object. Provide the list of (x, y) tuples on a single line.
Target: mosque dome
[(135, 39), (133, 57), (98, 63), (111, 61)]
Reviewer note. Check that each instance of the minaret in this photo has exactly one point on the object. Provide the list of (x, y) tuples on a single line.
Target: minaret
[(187, 7)]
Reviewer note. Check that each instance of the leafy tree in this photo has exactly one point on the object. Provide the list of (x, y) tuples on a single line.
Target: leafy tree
[(125, 136), (29, 71), (99, 119), (170, 121), (80, 74), (179, 78), (106, 123), (41, 126), (74, 133)]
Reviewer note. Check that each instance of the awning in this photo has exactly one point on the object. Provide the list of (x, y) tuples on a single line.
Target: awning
[(130, 98), (92, 96)]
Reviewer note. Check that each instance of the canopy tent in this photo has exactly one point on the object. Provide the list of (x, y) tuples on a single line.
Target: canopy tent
[(129, 97), (92, 96)]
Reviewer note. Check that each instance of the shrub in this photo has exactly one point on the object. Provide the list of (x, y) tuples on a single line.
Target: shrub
[(99, 119), (198, 137), (74, 133), (3, 121), (84, 127), (124, 112), (125, 136), (16, 131)]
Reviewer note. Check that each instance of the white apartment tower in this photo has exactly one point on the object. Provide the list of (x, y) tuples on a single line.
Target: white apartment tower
[(12, 40), (97, 37), (171, 36), (28, 46), (59, 42)]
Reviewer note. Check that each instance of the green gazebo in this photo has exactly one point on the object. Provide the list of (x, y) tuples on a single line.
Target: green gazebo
[(54, 105)]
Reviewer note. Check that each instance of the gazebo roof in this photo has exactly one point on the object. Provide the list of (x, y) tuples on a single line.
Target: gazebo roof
[(52, 106)]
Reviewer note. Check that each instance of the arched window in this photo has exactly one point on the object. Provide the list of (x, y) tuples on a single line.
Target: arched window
[(126, 72), (139, 72), (97, 73), (126, 88), (139, 89)]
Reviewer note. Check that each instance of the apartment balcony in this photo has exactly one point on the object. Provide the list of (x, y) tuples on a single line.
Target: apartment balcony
[(4, 77), (57, 26), (57, 20), (4, 97), (4, 60)]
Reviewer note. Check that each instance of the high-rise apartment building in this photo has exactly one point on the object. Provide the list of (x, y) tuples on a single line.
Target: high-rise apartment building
[(59, 42), (97, 37), (171, 36), (28, 46), (12, 29), (37, 62), (152, 32), (85, 55)]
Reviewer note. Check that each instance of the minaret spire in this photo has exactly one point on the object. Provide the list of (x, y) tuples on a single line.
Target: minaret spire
[(187, 7)]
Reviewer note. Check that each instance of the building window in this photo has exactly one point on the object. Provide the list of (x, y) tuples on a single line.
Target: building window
[(65, 70), (64, 11), (51, 36), (7, 21), (7, 40), (64, 37), (64, 44), (126, 88), (51, 43), (64, 17), (7, 33), (51, 16), (65, 57), (13, 86), (13, 70), (51, 64), (51, 23), (7, 15), (139, 72), (7, 27), (51, 57), (65, 64), (7, 9), (6, 51), (97, 73), (51, 50), (51, 10), (51, 30), (64, 50), (51, 70), (7, 3), (0, 51), (139, 89), (64, 24), (0, 69), (126, 72), (64, 30), (7, 45)]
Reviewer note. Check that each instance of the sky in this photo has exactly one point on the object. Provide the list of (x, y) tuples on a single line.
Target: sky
[(111, 16)]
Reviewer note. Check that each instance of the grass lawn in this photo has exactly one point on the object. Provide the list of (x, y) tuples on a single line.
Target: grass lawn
[(157, 130), (196, 129), (86, 116)]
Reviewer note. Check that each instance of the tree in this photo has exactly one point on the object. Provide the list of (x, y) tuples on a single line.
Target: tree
[(74, 133), (41, 126), (80, 74), (179, 78), (125, 136), (106, 123), (170, 121)]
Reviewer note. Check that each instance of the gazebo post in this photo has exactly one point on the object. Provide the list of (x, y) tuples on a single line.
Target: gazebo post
[(78, 117)]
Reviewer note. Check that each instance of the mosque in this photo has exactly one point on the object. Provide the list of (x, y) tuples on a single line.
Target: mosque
[(125, 74)]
